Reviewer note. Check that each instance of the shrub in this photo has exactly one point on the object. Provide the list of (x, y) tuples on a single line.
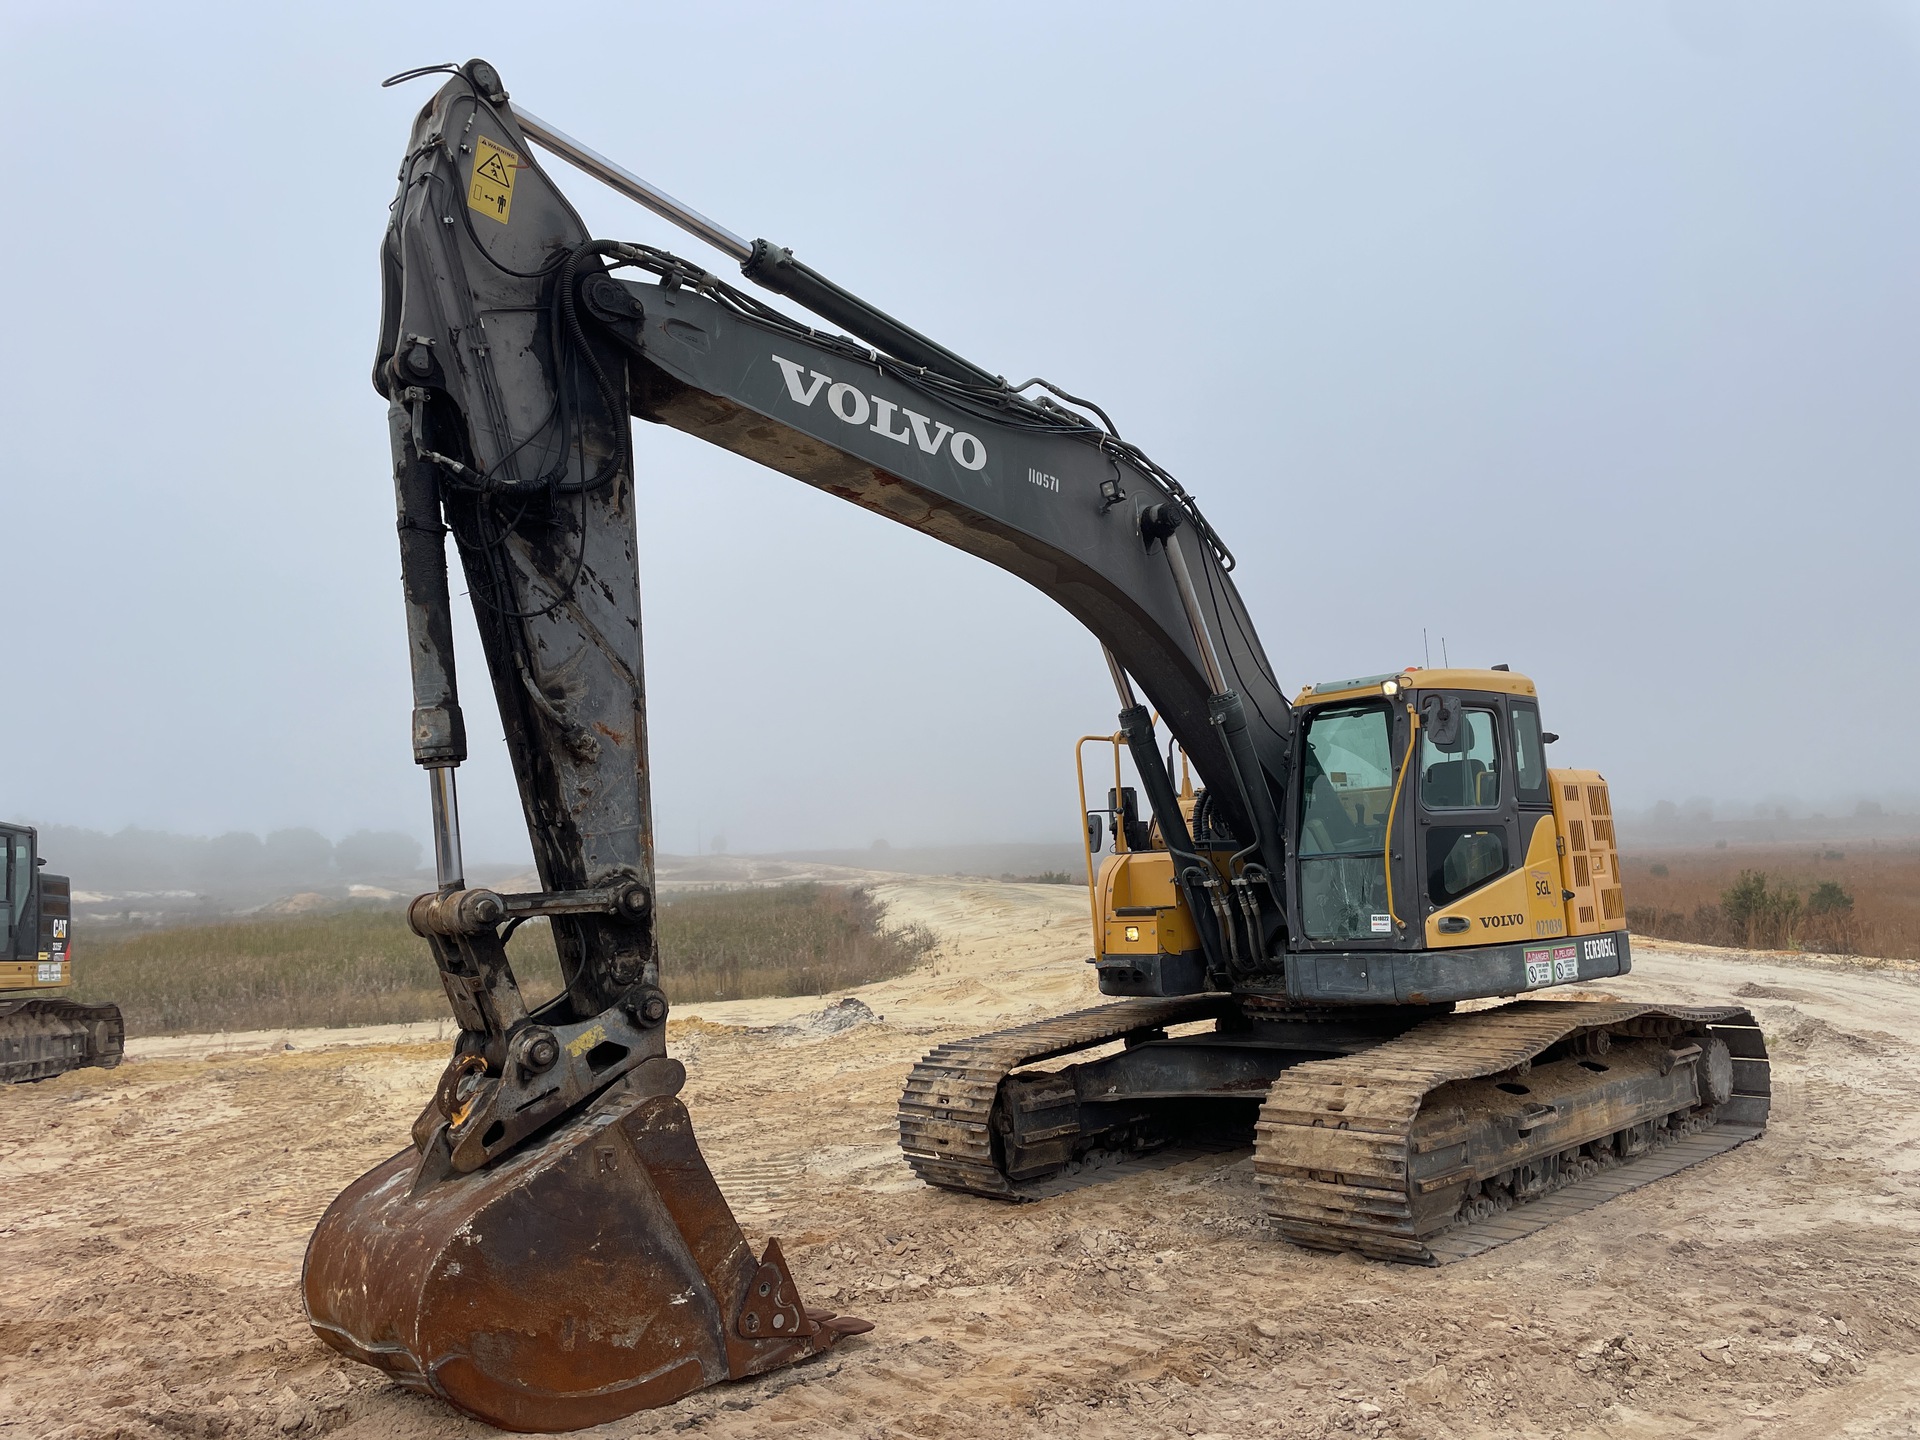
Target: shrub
[(1762, 916), (1865, 908), (1829, 899)]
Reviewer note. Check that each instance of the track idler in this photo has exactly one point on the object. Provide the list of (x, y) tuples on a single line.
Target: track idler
[(593, 1271)]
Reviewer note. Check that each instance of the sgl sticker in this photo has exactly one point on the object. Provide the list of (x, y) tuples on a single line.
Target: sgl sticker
[(491, 192), (1539, 966)]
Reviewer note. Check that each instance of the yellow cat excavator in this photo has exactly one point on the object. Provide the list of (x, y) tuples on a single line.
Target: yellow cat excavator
[(1285, 943), (44, 1032)]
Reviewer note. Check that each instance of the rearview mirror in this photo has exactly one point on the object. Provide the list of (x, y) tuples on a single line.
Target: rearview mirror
[(1440, 718), (1095, 831)]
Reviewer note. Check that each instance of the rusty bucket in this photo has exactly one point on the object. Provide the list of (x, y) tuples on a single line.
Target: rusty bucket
[(591, 1273)]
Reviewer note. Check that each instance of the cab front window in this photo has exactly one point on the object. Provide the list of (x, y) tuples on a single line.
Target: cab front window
[(1345, 792)]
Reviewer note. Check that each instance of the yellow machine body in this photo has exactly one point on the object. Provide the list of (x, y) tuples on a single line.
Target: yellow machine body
[(1142, 910), (1531, 891), (1563, 881), (1589, 861)]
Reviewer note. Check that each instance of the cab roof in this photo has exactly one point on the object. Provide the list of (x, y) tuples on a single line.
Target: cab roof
[(1499, 682)]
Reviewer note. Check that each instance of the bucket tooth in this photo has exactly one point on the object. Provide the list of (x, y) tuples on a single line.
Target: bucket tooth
[(592, 1273)]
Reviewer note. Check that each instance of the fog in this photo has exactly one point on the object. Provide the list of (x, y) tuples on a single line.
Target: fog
[(1584, 338)]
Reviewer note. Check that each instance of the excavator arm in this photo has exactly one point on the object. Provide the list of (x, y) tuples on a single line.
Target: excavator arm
[(512, 353), (514, 349)]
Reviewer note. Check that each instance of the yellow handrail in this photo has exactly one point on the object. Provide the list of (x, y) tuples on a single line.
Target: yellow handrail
[(1086, 840), (1386, 849)]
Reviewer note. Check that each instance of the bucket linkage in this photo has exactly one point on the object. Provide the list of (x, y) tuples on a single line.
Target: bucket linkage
[(551, 1252)]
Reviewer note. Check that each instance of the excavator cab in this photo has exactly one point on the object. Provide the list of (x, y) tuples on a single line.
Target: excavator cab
[(1429, 824), (1464, 753), (1432, 856)]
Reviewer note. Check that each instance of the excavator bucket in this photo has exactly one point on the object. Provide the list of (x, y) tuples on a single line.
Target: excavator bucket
[(592, 1273)]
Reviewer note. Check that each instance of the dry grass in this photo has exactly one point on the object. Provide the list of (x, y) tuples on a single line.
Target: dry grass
[(782, 940), (365, 967), (1682, 895)]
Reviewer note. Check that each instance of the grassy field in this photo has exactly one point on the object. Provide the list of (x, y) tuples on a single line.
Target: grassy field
[(1850, 899), (365, 967)]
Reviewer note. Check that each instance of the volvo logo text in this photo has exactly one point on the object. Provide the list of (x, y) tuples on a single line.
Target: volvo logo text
[(895, 422), (1494, 921)]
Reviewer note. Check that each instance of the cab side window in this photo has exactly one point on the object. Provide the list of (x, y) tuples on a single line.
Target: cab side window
[(1529, 756), (1465, 776)]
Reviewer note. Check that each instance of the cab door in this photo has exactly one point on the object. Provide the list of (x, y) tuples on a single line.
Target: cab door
[(1469, 825), (16, 880)]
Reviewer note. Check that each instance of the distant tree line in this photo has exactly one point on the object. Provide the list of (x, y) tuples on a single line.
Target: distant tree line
[(147, 860), (1700, 811)]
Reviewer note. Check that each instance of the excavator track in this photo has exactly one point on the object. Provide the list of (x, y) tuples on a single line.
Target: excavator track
[(1472, 1130), (43, 1038), (946, 1110)]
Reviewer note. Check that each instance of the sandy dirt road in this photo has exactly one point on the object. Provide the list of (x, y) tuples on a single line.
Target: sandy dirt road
[(153, 1218)]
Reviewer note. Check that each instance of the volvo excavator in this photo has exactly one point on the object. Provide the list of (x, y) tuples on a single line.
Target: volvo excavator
[(1304, 950)]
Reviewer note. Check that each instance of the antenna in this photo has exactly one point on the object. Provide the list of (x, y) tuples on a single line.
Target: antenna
[(1443, 653), (1426, 650)]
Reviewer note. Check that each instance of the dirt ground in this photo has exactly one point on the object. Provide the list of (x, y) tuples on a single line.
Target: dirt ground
[(153, 1218)]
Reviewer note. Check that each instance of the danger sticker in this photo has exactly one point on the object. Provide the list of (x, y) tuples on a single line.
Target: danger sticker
[(1566, 964), (491, 192), (51, 972), (1539, 967)]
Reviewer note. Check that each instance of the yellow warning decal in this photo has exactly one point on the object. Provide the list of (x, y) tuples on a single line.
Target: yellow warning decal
[(586, 1040), (492, 190)]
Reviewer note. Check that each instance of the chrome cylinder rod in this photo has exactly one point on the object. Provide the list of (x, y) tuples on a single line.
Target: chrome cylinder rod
[(618, 177), (449, 871), (1121, 684), (1190, 602)]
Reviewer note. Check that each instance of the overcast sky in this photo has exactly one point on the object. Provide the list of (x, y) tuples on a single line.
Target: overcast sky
[(1586, 336)]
